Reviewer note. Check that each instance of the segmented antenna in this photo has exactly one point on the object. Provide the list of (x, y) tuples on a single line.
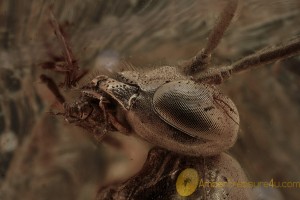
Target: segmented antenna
[(202, 59)]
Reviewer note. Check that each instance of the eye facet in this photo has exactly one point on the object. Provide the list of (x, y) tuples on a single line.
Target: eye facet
[(196, 109)]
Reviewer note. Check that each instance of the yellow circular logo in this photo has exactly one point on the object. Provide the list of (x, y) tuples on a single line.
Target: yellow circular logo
[(187, 182)]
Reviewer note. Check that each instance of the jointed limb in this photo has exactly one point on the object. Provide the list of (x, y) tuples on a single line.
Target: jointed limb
[(71, 69), (217, 75), (202, 59), (264, 57)]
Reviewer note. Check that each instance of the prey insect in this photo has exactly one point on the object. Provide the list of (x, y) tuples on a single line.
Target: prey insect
[(177, 108)]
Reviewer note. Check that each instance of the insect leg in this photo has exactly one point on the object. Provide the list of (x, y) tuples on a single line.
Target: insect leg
[(72, 72), (115, 122), (202, 59), (53, 88), (102, 102), (110, 118)]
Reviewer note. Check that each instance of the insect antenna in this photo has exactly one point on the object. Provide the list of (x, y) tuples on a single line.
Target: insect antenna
[(282, 51), (202, 59), (218, 74)]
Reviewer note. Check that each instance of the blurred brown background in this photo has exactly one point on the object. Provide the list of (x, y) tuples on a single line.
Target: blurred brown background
[(42, 157)]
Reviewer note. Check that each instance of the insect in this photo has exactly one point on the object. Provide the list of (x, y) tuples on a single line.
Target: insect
[(177, 108)]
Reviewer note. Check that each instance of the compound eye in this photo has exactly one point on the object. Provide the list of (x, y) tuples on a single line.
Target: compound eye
[(196, 109)]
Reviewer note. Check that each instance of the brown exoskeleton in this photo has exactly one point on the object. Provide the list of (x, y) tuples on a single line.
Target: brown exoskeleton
[(177, 108)]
